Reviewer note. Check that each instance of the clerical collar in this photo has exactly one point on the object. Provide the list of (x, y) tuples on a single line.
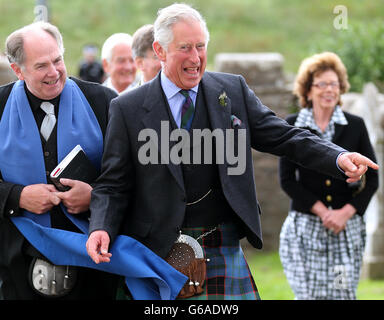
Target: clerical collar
[(35, 102)]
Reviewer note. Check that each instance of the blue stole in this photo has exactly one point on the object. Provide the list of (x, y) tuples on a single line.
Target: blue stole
[(22, 162)]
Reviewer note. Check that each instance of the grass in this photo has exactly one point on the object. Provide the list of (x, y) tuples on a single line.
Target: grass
[(272, 284), (269, 276), (289, 27)]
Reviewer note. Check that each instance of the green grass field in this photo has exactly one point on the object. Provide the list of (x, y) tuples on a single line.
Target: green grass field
[(272, 284), (290, 27)]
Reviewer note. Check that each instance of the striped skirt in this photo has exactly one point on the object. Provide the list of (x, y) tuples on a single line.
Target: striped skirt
[(228, 275), (319, 264)]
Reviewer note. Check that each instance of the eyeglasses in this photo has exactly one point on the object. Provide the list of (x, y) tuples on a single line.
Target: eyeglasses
[(323, 85)]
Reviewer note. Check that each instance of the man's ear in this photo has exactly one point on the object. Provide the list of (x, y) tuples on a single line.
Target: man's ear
[(17, 70), (105, 65), (159, 50)]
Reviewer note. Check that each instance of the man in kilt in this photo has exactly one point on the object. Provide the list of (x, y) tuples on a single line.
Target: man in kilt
[(158, 179)]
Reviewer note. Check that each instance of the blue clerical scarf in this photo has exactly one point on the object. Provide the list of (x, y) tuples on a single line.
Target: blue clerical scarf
[(22, 162)]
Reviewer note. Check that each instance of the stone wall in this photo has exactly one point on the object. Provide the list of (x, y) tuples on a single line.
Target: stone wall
[(264, 74)]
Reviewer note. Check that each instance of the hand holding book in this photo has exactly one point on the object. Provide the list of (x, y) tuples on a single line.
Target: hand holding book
[(77, 198), (72, 177), (75, 166)]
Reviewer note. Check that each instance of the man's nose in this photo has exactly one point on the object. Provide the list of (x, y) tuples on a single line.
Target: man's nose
[(52, 70), (195, 56), (130, 65)]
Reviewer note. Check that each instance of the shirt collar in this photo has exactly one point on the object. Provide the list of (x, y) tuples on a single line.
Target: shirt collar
[(35, 102), (305, 118), (108, 83), (170, 89)]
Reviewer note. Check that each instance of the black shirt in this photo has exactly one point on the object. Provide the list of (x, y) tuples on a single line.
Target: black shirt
[(35, 103)]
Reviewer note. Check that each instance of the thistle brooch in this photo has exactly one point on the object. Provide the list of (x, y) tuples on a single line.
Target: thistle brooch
[(223, 99)]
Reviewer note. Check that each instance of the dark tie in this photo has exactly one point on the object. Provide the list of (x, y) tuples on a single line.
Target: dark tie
[(49, 120), (187, 111)]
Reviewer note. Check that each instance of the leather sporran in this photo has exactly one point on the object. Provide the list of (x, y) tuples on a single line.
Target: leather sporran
[(187, 257)]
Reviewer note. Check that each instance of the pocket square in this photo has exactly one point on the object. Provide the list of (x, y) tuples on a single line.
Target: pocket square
[(235, 121)]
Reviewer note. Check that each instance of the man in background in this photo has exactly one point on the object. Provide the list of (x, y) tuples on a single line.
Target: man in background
[(118, 63), (6, 73), (90, 69), (146, 59)]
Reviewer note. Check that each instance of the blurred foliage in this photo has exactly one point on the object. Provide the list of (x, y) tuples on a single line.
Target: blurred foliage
[(361, 47), (288, 27)]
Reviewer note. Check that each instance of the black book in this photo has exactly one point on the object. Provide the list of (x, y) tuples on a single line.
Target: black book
[(76, 166)]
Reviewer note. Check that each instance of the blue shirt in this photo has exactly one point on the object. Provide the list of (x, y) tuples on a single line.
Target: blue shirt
[(175, 98)]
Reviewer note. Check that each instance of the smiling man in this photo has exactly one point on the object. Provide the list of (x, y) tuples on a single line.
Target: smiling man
[(42, 117), (155, 202), (145, 58), (118, 63)]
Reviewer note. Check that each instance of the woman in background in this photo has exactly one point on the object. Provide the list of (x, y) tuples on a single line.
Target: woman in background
[(322, 239)]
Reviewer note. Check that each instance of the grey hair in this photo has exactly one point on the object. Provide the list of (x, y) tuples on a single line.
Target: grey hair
[(169, 16), (112, 41), (142, 40), (14, 45)]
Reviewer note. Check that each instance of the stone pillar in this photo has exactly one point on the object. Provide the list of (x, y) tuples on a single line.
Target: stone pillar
[(370, 106), (373, 266), (264, 74)]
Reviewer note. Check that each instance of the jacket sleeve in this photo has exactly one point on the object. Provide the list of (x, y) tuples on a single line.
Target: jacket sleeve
[(110, 197), (271, 134), (9, 192), (9, 199)]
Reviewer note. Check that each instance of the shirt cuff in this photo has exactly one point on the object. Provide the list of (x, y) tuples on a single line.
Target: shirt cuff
[(12, 208), (337, 159)]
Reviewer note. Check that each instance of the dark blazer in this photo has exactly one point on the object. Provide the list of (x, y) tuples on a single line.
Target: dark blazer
[(13, 268), (306, 186), (149, 201)]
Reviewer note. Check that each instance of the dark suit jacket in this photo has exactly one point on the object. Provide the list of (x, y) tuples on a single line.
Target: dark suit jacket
[(12, 261), (150, 200), (309, 186)]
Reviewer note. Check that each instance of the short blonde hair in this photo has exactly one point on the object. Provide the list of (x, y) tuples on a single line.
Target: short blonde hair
[(313, 66)]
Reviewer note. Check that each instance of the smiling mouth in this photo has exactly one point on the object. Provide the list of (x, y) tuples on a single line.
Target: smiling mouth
[(192, 71), (53, 82), (329, 97)]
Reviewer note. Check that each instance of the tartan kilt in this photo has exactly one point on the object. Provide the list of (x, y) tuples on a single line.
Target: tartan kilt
[(228, 275)]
